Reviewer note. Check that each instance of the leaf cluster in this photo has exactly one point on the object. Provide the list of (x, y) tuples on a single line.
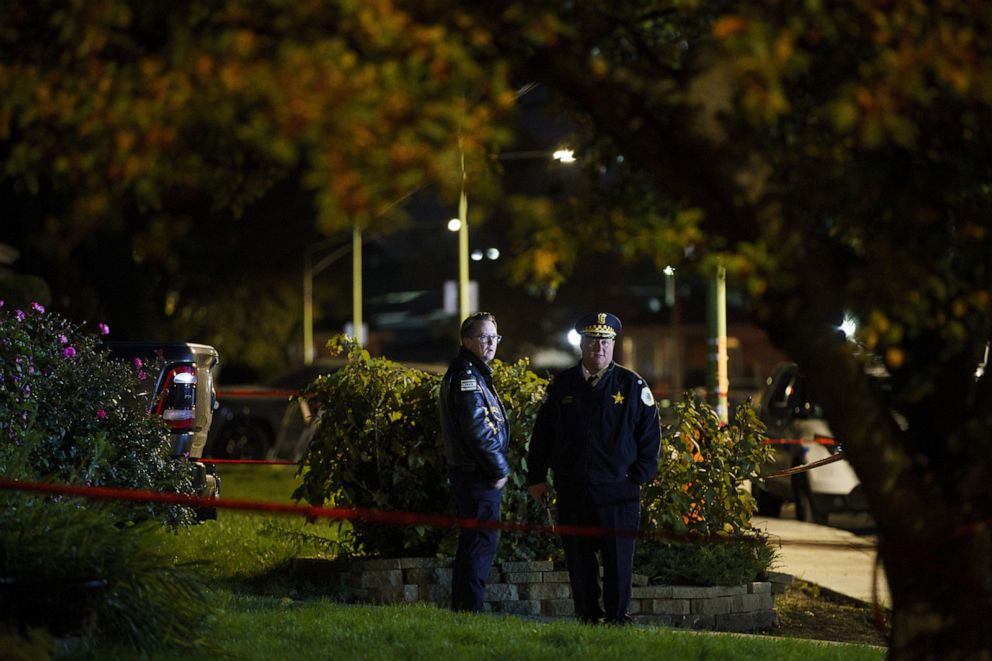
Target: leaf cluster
[(148, 601), (377, 445), (698, 492), (703, 465), (133, 105), (68, 413)]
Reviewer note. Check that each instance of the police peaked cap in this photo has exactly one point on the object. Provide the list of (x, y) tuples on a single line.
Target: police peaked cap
[(600, 324)]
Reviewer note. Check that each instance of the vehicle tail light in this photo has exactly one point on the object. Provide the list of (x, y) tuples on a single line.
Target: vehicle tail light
[(176, 402)]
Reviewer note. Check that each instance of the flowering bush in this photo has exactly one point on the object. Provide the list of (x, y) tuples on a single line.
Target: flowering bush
[(69, 413), (698, 496)]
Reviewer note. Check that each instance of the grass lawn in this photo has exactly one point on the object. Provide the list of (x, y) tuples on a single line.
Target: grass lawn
[(272, 628), (265, 615)]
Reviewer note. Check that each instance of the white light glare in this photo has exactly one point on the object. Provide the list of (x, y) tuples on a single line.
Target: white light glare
[(849, 327), (455, 224), (492, 253), (564, 155), (669, 270), (476, 255), (574, 338)]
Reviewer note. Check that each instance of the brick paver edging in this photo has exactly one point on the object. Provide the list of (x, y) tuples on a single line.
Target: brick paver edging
[(541, 588)]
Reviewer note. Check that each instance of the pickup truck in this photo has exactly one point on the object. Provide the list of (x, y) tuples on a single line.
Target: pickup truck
[(182, 394), (261, 420), (800, 435)]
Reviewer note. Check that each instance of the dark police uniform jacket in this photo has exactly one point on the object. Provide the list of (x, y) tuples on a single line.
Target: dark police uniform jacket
[(595, 435), (473, 420)]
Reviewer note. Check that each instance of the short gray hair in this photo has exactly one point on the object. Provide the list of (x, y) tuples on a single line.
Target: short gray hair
[(470, 321)]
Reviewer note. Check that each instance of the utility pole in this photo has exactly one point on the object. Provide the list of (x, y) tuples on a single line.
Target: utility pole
[(718, 382), (463, 276), (356, 285)]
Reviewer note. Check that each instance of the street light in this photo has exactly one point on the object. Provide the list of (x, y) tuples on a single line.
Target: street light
[(563, 155), (460, 224)]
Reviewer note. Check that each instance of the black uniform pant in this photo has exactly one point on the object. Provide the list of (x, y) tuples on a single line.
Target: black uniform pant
[(475, 498), (614, 506)]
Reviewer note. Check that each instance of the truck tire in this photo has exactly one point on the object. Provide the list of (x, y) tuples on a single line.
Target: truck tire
[(806, 509), (768, 505)]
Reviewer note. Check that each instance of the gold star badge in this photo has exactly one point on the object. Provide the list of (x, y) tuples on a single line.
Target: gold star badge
[(618, 398)]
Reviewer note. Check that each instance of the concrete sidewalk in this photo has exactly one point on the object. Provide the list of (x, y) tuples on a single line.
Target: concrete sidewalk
[(832, 558)]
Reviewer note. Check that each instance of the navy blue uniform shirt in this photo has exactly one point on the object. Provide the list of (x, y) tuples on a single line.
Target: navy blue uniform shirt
[(595, 435)]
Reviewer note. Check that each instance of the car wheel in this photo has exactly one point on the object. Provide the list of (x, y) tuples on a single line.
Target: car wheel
[(768, 505), (806, 509), (244, 441)]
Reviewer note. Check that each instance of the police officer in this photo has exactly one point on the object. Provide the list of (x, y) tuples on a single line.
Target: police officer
[(598, 432), (473, 423)]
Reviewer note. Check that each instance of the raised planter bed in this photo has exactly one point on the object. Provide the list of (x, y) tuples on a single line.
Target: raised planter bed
[(540, 588)]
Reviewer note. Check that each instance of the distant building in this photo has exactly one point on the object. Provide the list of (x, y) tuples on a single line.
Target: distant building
[(675, 359)]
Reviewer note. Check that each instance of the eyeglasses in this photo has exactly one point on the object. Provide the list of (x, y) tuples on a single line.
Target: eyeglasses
[(489, 339)]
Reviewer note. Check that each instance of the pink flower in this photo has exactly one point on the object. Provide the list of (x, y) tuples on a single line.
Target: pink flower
[(103, 328), (69, 352), (100, 413), (138, 363), (142, 375), (19, 314), (63, 339), (38, 307)]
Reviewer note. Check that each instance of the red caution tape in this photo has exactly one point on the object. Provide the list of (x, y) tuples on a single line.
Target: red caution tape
[(250, 392), (269, 462), (383, 517), (819, 440)]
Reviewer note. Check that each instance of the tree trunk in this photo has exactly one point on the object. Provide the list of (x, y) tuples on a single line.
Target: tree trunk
[(942, 606), (938, 564)]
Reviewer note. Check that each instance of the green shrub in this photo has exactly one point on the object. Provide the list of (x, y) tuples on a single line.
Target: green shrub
[(148, 600), (703, 465), (703, 563), (378, 445), (69, 413), (522, 391)]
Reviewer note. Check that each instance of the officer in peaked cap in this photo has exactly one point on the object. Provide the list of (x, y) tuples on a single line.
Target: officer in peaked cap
[(598, 432), (599, 325)]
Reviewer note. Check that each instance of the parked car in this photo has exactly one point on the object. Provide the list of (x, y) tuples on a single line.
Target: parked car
[(800, 435), (182, 394), (261, 420)]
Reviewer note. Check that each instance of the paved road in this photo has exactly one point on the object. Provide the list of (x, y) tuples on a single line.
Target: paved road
[(834, 558)]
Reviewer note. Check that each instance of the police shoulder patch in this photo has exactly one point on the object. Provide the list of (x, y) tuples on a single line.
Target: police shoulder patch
[(646, 396), (469, 384)]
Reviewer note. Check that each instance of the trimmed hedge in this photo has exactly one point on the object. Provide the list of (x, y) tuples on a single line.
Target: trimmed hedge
[(377, 445)]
